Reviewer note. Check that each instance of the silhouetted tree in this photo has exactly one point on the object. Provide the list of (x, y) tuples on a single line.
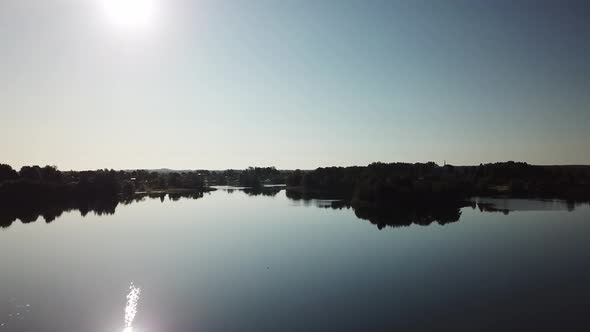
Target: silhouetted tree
[(7, 173), (294, 179), (30, 173)]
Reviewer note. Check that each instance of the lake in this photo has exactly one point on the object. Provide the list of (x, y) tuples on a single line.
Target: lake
[(233, 260)]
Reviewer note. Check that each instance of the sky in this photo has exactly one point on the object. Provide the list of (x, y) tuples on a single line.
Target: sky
[(214, 84)]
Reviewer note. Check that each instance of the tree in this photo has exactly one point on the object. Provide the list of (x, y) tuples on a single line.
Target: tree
[(294, 179), (31, 173), (50, 174), (7, 173)]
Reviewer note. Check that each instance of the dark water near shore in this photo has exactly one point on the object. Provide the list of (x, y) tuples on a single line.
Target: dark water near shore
[(239, 261)]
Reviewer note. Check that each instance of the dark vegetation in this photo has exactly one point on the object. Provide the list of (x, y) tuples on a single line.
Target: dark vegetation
[(381, 183), (263, 191), (377, 183), (28, 213), (388, 215), (385, 194), (401, 194), (48, 184), (35, 191)]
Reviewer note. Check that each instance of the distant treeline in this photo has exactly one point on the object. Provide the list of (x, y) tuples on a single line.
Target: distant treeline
[(381, 183), (375, 184), (388, 195), (49, 185)]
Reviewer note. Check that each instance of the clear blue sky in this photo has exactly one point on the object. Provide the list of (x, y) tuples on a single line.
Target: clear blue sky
[(294, 84)]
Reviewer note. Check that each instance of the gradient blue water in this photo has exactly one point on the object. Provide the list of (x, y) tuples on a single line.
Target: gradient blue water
[(232, 262)]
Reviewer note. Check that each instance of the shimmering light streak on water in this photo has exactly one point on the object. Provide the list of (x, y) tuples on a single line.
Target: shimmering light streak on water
[(131, 307)]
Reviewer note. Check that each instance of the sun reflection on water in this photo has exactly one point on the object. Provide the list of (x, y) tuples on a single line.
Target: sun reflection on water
[(131, 307)]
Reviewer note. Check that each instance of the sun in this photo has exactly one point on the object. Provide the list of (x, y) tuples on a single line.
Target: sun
[(129, 13)]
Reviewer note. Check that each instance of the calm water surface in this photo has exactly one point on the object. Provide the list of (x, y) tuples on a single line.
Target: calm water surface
[(235, 262)]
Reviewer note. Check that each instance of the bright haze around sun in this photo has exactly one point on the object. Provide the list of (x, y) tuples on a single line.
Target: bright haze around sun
[(129, 14)]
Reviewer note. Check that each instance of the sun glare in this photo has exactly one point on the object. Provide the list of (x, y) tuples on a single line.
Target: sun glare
[(130, 13), (131, 307)]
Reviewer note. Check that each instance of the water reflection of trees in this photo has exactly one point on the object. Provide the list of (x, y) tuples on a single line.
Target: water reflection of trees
[(396, 213), (390, 215), (263, 191), (488, 207), (299, 195), (505, 206), (30, 211), (397, 216), (407, 213), (188, 195)]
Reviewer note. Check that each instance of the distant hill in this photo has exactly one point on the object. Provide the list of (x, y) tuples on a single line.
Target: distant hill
[(160, 170)]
